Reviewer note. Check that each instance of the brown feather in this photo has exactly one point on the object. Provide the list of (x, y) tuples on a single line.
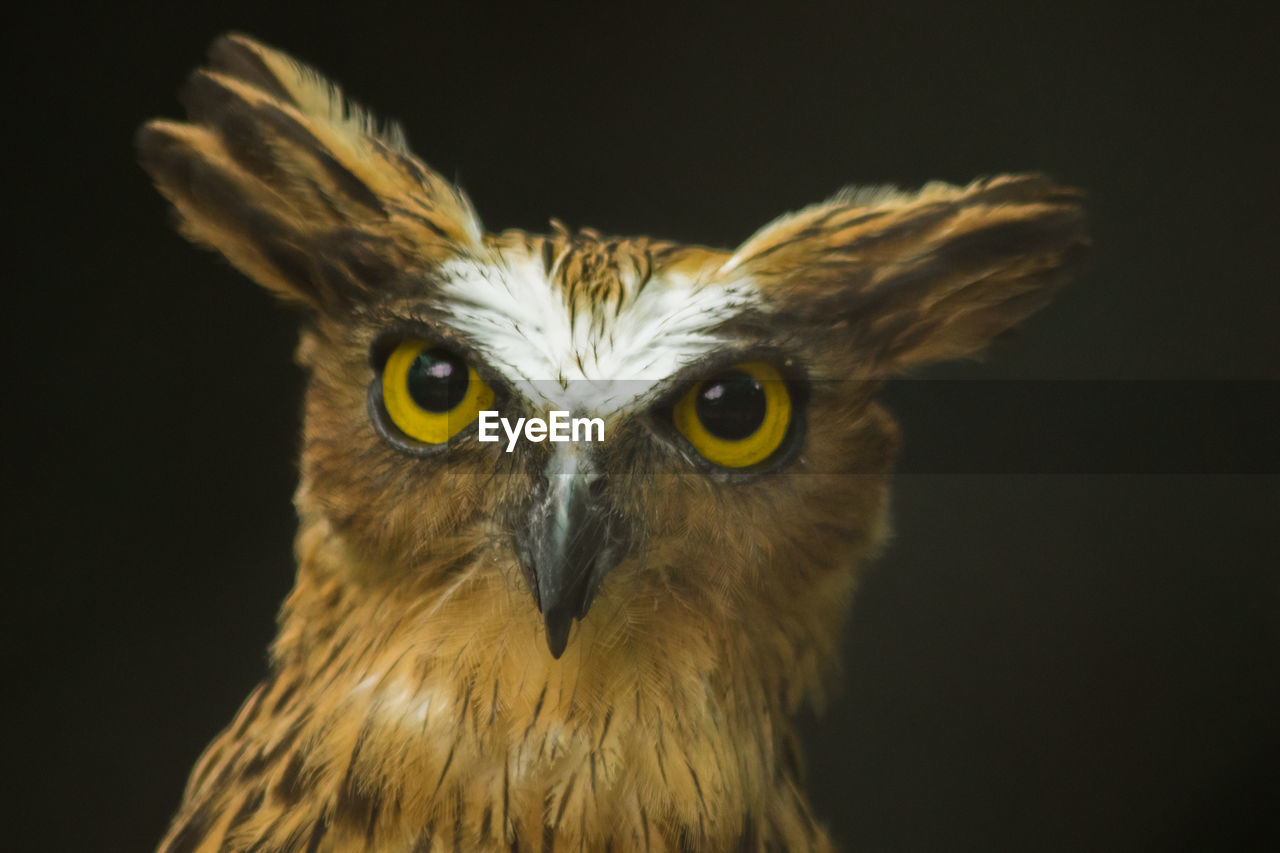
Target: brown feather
[(413, 704)]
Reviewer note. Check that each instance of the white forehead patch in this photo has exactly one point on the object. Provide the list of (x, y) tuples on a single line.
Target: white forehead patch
[(596, 361)]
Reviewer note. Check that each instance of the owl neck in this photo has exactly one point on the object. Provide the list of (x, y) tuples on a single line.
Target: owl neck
[(439, 712)]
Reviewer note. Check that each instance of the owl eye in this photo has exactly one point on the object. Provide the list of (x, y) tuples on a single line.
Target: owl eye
[(430, 393), (739, 417)]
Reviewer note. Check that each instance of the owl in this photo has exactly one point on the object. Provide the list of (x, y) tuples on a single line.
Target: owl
[(510, 633)]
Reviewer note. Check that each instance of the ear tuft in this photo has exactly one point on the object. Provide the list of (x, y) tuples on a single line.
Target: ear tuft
[(299, 86), (919, 277), (296, 185)]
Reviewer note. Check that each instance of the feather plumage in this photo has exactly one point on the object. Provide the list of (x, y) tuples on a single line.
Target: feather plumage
[(412, 703)]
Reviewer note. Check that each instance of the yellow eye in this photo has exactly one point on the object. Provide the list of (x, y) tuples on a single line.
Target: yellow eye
[(430, 393), (738, 418)]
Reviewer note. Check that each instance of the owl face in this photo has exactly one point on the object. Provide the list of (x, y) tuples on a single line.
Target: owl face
[(706, 425), (743, 458)]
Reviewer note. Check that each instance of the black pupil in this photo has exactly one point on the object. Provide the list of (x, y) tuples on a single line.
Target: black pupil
[(731, 406), (438, 380)]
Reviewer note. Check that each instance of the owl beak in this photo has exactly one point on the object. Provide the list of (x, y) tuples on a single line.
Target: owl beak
[(568, 544)]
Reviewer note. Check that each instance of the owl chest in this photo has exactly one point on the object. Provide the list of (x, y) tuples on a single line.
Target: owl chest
[(447, 767)]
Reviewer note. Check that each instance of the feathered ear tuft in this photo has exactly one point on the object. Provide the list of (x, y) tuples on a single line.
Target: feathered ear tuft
[(913, 278), (295, 185)]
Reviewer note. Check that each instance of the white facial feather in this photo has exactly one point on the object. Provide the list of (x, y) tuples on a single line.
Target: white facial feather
[(595, 362)]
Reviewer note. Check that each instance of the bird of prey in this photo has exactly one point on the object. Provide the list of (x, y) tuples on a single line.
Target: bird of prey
[(541, 643)]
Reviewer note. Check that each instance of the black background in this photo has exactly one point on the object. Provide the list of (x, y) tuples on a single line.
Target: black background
[(1063, 652)]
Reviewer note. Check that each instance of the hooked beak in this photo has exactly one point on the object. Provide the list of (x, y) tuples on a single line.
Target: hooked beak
[(569, 541)]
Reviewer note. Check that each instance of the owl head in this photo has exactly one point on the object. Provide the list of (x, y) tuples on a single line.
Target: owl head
[(731, 460)]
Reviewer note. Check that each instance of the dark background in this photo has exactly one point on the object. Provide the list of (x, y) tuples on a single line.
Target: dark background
[(1072, 642)]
